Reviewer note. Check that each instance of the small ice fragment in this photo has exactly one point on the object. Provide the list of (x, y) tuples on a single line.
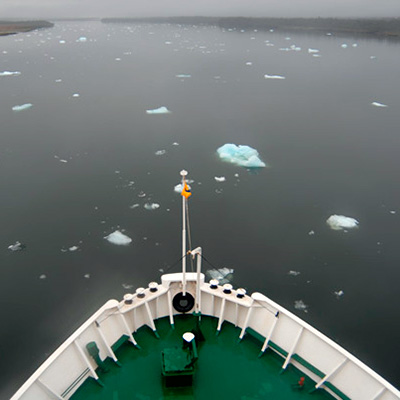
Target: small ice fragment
[(168, 42), (244, 156), (220, 178), (160, 110), (392, 212), (339, 294), (22, 107), (236, 175), (127, 286), (58, 80), (372, 57), (178, 188), (340, 222), (183, 76), (87, 276), (43, 276), (151, 206), (311, 233), (62, 41), (224, 275), (293, 273), (249, 63), (354, 45), (160, 152), (118, 59), (118, 238), (10, 73), (134, 206), (63, 161), (73, 248), (142, 194), (75, 95), (299, 305), (376, 104), (17, 246), (219, 191), (316, 55), (310, 51), (271, 30), (175, 144), (82, 39), (343, 46), (329, 34), (274, 76)]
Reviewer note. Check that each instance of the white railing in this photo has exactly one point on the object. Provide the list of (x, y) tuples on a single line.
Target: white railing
[(328, 364)]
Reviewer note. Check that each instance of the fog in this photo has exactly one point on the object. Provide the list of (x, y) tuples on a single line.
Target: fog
[(248, 8)]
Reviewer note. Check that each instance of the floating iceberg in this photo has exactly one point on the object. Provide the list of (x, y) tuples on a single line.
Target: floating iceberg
[(17, 246), (220, 178), (151, 206), (22, 107), (160, 110), (244, 156), (223, 275), (274, 77), (376, 104), (10, 73), (118, 238), (340, 222)]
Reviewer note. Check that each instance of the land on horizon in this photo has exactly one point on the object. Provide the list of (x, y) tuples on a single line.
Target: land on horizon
[(12, 27)]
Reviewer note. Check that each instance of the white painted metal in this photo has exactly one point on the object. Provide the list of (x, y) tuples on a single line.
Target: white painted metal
[(268, 338), (65, 366), (197, 252), (86, 360), (51, 392), (150, 316), (183, 174), (330, 375), (293, 348), (103, 338), (127, 329)]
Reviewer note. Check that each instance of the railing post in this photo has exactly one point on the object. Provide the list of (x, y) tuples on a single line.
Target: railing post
[(333, 372), (153, 326), (49, 390), (268, 338), (171, 315), (221, 315), (103, 338), (128, 331), (379, 394), (289, 356), (246, 322)]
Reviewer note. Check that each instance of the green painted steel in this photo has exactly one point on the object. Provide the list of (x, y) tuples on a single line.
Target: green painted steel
[(225, 369)]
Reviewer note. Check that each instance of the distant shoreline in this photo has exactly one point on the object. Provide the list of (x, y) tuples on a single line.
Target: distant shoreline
[(384, 28), (14, 27)]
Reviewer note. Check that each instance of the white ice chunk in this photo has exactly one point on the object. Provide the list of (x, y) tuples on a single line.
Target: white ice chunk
[(118, 238), (175, 144), (339, 294), (249, 63), (311, 233), (293, 273), (62, 41), (160, 152), (73, 248), (160, 110), (151, 206), (392, 212), (63, 161), (22, 107), (223, 275), (344, 46), (87, 276), (183, 76), (10, 73), (82, 39), (134, 206), (376, 104), (241, 155), (43, 276), (299, 305), (274, 76), (127, 286), (220, 178), (340, 222), (17, 246), (313, 51), (75, 95), (178, 188)]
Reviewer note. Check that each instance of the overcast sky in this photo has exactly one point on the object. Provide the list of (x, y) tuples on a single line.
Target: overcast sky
[(256, 8)]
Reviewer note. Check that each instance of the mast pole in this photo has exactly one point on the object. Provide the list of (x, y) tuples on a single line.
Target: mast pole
[(183, 174)]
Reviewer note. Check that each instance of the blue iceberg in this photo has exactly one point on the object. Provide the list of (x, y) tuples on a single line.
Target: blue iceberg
[(244, 156)]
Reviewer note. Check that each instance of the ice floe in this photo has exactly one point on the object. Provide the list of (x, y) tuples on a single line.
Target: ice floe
[(160, 152), (338, 294), (311, 233), (178, 188), (220, 178), (118, 238), (22, 107), (293, 273), (344, 46), (300, 305), (340, 222), (73, 248), (87, 276), (183, 76), (311, 51), (151, 206), (160, 110), (17, 246), (223, 275), (175, 144), (376, 104), (274, 76), (10, 73), (133, 206), (82, 39), (76, 95), (242, 155), (43, 276)]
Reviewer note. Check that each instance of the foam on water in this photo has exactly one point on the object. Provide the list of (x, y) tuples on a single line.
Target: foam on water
[(118, 238), (244, 156), (340, 222), (300, 305)]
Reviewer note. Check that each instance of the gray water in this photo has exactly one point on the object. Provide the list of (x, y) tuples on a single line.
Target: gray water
[(328, 149)]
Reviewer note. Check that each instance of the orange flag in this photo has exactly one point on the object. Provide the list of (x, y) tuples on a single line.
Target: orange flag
[(186, 191)]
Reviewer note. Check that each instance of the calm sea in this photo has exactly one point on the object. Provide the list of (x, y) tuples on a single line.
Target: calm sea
[(81, 163)]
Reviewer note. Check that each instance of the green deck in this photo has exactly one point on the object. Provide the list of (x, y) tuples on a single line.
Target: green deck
[(226, 369)]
